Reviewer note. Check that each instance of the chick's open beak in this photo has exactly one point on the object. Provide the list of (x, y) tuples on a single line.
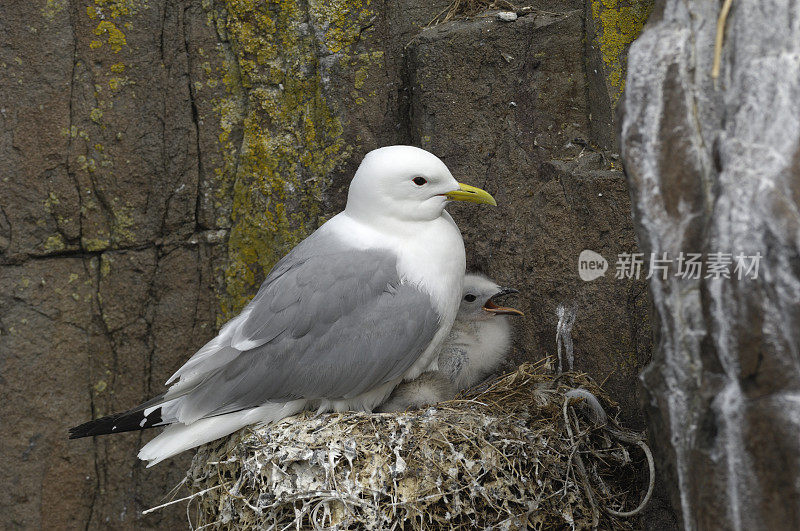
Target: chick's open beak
[(490, 306), (471, 194)]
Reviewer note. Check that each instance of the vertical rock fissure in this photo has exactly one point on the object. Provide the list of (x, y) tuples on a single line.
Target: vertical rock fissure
[(195, 122), (163, 120), (404, 96), (148, 314), (71, 120), (93, 406), (8, 224)]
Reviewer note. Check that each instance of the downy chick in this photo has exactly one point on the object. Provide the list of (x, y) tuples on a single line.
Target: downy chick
[(475, 346)]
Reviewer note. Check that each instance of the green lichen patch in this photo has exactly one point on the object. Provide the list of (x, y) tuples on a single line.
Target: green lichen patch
[(96, 114)]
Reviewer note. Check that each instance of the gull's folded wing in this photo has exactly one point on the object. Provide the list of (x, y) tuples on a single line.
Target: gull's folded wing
[(329, 322)]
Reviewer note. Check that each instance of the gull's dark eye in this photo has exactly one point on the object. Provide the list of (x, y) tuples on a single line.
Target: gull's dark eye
[(469, 297), (419, 181)]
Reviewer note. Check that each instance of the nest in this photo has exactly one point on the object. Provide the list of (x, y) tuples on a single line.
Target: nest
[(521, 452)]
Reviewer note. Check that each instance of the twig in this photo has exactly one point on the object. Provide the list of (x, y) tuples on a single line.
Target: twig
[(173, 502), (621, 436), (652, 469), (587, 488), (723, 17)]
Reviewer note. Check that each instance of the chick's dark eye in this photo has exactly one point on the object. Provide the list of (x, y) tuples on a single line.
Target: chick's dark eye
[(419, 181), (469, 297)]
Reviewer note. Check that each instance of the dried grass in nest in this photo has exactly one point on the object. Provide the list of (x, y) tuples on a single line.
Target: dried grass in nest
[(500, 458)]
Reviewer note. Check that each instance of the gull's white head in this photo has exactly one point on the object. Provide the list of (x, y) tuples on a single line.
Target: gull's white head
[(477, 302), (406, 183)]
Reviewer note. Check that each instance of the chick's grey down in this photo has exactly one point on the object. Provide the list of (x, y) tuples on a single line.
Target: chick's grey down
[(475, 346), (345, 316)]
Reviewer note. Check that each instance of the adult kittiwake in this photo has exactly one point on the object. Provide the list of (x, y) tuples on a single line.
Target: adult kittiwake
[(352, 310), (475, 346)]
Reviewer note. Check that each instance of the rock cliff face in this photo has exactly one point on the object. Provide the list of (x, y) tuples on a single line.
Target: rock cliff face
[(713, 168), (157, 157)]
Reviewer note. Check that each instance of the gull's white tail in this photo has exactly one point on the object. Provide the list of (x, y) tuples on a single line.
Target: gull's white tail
[(179, 437)]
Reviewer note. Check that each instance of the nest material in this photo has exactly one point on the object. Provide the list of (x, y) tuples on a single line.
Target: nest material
[(469, 8), (462, 9), (509, 456)]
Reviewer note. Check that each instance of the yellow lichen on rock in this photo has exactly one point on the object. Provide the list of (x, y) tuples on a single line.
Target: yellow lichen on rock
[(122, 223), (118, 8), (342, 21), (116, 39), (53, 9), (291, 138), (95, 244), (618, 24), (54, 243), (105, 18)]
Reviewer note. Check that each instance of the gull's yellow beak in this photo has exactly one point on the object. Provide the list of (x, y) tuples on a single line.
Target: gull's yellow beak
[(471, 194)]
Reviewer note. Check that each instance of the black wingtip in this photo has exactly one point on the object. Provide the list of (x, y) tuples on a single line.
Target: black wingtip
[(121, 422)]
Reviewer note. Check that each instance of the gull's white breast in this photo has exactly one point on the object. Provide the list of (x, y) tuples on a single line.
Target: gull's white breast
[(430, 255)]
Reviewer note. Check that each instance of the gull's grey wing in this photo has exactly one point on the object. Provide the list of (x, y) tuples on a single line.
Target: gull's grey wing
[(328, 322)]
